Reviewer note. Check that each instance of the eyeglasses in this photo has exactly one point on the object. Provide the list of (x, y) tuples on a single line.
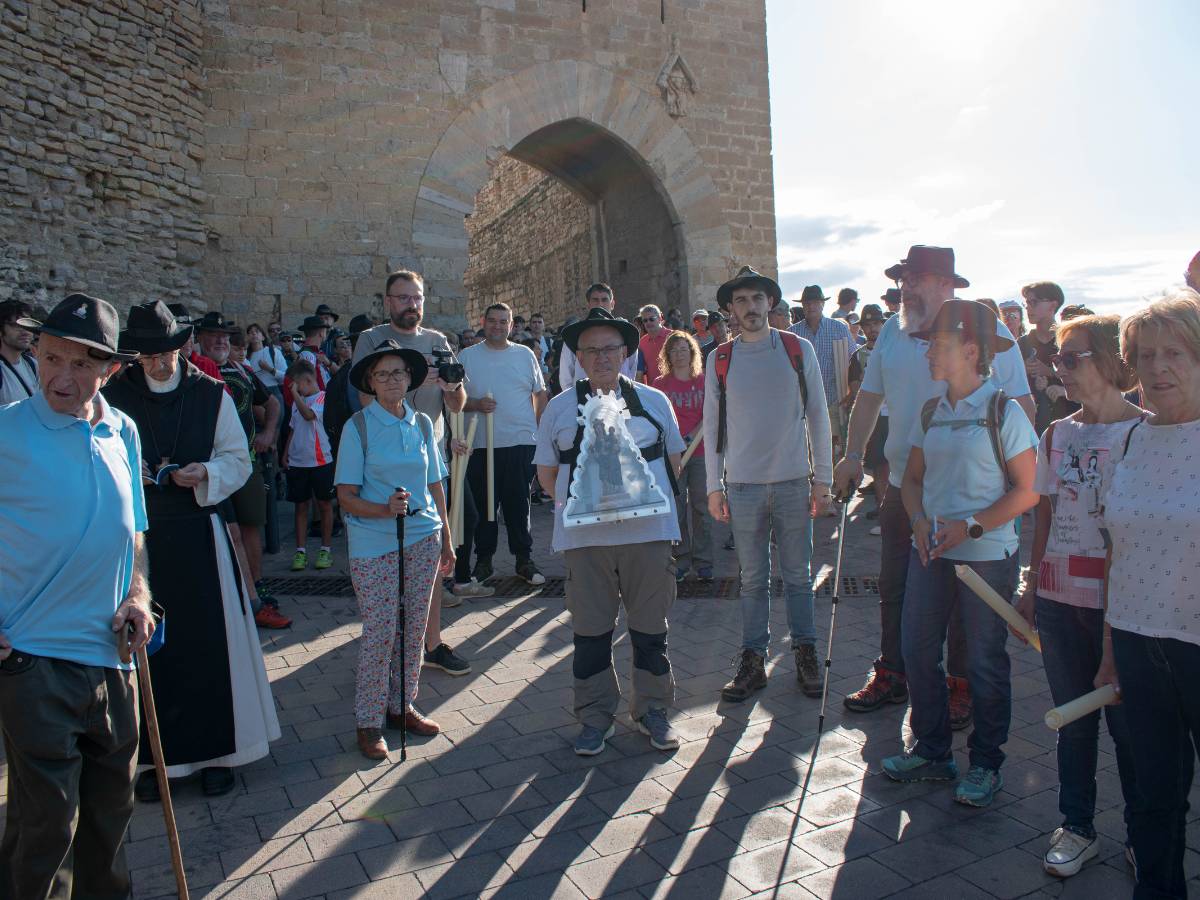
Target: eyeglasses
[(389, 375), (415, 298), (596, 352), (1069, 360)]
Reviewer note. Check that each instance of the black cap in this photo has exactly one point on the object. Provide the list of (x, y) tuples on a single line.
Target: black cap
[(84, 320)]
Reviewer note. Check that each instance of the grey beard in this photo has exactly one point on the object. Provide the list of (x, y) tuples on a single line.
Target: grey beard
[(398, 321), (910, 319)]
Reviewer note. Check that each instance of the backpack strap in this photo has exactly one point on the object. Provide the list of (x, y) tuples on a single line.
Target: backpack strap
[(927, 412), (997, 407), (795, 352), (723, 355), (360, 423), (1129, 436)]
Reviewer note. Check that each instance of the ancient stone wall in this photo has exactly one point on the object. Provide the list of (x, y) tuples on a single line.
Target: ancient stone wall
[(100, 141)]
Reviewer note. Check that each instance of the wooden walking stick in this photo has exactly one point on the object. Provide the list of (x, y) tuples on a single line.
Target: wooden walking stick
[(697, 439), (160, 769)]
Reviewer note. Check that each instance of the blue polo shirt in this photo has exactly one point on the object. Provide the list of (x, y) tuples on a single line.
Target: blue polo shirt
[(398, 455), (70, 504), (962, 477)]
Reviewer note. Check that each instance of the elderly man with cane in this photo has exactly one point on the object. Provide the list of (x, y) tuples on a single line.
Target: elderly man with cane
[(75, 587)]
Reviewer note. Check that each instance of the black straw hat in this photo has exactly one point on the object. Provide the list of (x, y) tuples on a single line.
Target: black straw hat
[(974, 321), (214, 321), (747, 277), (417, 367), (813, 293), (84, 320), (922, 260), (151, 328), (596, 318)]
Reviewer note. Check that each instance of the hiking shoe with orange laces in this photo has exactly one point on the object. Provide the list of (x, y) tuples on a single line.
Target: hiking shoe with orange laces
[(961, 711), (883, 686)]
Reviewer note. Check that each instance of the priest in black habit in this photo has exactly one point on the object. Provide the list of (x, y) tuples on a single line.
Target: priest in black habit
[(215, 709)]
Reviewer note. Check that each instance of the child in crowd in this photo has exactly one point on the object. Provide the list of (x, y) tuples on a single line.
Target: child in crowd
[(309, 461)]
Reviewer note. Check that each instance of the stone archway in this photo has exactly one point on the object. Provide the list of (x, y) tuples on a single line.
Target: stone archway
[(587, 97)]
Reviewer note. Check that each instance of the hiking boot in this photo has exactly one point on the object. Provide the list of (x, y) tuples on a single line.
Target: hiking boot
[(270, 617), (1069, 850), (472, 589), (654, 724), (529, 571), (591, 740), (808, 674), (883, 686), (978, 787), (483, 569), (751, 676), (299, 561), (910, 766), (960, 702), (442, 657), (324, 559)]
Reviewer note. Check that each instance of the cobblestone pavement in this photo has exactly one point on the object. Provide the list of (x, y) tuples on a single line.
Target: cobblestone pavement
[(498, 805)]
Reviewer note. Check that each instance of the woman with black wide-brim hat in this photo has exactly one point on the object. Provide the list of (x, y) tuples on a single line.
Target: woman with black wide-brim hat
[(215, 710), (388, 465)]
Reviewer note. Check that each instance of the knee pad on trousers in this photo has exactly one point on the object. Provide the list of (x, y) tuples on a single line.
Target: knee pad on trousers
[(593, 654), (650, 652)]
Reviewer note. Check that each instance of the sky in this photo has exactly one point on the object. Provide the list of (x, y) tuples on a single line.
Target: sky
[(1042, 140)]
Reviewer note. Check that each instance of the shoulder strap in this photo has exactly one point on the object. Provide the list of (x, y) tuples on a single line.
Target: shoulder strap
[(997, 407), (721, 358), (426, 425), (360, 423), (1129, 436), (795, 351), (927, 412)]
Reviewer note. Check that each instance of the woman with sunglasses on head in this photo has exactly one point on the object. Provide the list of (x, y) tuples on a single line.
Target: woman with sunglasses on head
[(1064, 591), (388, 465)]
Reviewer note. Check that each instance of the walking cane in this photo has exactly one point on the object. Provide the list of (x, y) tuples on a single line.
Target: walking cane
[(160, 769), (403, 639), (837, 590)]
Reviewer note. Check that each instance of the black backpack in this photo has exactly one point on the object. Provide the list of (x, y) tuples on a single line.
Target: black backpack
[(337, 407)]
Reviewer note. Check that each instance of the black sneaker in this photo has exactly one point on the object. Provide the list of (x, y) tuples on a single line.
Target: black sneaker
[(264, 597), (536, 498), (529, 571), (483, 569), (442, 657)]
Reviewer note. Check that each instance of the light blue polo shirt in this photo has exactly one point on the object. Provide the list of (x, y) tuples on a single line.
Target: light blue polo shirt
[(398, 456), (899, 372), (962, 477), (70, 504)]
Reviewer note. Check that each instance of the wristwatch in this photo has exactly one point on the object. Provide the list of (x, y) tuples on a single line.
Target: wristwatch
[(857, 457), (974, 529)]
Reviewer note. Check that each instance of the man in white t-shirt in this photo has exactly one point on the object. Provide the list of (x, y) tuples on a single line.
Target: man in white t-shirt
[(18, 369), (898, 374), (537, 331), (503, 379), (599, 296)]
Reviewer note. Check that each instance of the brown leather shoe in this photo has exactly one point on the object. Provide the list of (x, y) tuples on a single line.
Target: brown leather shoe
[(415, 723), (371, 743)]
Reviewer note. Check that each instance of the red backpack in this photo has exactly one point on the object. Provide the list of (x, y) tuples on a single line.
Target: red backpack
[(724, 355)]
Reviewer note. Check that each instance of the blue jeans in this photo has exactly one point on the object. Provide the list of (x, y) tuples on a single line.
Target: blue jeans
[(929, 598), (757, 510), (1158, 691), (1072, 645)]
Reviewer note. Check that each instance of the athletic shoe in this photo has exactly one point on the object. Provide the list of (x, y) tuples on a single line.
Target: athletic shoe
[(680, 574), (442, 657), (705, 574), (483, 569), (299, 561), (591, 740), (264, 597), (751, 676), (912, 767), (472, 589), (978, 787), (876, 531), (448, 598), (536, 498), (269, 617), (529, 571), (1069, 850), (883, 686), (324, 559), (808, 674), (654, 724), (961, 709)]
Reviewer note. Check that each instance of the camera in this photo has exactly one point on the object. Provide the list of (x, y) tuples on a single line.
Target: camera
[(449, 369)]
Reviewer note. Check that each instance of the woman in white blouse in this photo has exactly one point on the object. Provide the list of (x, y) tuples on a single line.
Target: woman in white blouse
[(266, 361), (1151, 510)]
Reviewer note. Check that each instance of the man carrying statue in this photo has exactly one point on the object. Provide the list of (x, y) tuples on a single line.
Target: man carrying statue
[(614, 560)]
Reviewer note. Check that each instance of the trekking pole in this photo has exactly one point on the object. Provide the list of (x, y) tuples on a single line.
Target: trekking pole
[(837, 590), (403, 637)]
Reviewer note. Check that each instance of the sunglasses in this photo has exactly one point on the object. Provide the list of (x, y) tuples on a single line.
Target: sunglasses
[(1069, 360)]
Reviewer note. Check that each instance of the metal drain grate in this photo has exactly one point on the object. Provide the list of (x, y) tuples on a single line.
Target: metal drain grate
[(513, 587)]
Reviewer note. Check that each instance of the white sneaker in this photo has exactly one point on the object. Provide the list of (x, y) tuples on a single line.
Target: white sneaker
[(449, 599), (472, 589), (1068, 852)]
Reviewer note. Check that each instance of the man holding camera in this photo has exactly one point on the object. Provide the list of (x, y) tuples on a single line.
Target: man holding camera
[(404, 303)]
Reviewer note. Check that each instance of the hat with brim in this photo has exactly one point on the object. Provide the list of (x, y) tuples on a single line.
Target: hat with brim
[(747, 277), (891, 295), (324, 310), (312, 323), (870, 313), (151, 328), (597, 318), (925, 260), (417, 367), (214, 321), (813, 294), (84, 320), (974, 321)]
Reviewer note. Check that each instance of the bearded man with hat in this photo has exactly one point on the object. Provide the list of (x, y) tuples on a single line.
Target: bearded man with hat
[(215, 709), (767, 472), (75, 603), (891, 299), (898, 374), (614, 563)]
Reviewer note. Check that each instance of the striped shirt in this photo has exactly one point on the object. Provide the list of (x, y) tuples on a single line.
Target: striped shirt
[(828, 331)]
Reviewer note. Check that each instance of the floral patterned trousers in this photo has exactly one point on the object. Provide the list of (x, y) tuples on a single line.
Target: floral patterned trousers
[(382, 684)]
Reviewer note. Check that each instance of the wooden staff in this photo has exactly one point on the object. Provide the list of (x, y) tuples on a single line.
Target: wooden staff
[(160, 769), (1080, 707), (457, 514), (1004, 610), (455, 502), (491, 466), (697, 439)]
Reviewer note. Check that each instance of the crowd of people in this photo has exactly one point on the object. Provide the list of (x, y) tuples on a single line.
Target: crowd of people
[(147, 454)]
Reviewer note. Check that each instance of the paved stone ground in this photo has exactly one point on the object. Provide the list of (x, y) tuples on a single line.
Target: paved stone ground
[(498, 805)]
